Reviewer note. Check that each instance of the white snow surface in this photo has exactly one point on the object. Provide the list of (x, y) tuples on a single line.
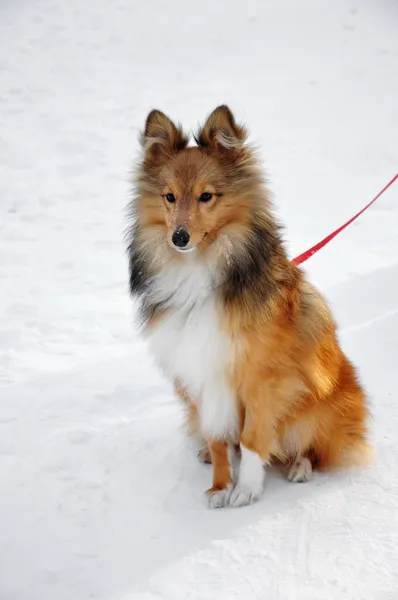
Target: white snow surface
[(101, 495)]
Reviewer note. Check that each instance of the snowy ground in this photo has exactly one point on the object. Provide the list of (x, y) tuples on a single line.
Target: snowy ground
[(99, 495)]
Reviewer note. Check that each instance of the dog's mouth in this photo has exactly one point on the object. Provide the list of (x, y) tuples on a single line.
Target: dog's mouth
[(185, 250)]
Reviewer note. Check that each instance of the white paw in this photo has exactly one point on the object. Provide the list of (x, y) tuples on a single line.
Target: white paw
[(300, 471), (218, 498), (250, 480), (243, 495)]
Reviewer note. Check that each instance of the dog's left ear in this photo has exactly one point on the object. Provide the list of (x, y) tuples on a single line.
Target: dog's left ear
[(221, 133)]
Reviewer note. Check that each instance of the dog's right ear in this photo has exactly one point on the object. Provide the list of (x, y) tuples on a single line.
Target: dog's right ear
[(221, 133), (161, 137)]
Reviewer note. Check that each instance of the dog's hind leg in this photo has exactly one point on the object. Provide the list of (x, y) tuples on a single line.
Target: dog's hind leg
[(301, 470)]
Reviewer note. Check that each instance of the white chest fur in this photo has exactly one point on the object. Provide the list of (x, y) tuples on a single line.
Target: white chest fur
[(189, 344)]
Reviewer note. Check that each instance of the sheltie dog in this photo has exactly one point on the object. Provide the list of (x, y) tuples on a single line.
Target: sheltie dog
[(250, 344)]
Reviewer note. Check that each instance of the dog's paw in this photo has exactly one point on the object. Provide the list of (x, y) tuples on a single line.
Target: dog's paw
[(218, 498), (300, 471), (242, 495), (204, 455)]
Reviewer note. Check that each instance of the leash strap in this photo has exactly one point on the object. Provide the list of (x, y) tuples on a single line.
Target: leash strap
[(308, 253)]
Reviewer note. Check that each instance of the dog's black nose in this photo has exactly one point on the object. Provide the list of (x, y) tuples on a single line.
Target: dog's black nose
[(180, 237)]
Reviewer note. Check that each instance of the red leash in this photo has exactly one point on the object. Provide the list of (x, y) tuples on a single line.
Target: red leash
[(303, 257)]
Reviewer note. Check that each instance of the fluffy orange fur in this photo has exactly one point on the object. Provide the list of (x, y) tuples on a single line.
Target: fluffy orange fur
[(296, 393)]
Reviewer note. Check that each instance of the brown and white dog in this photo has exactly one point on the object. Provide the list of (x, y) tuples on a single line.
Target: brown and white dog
[(250, 344)]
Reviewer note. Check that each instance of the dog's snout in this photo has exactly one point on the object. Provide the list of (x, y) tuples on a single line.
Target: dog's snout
[(180, 237)]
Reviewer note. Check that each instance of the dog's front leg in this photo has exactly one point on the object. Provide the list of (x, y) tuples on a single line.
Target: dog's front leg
[(258, 440), (218, 495), (219, 424)]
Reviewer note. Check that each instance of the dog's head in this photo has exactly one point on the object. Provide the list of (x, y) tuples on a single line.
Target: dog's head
[(192, 194)]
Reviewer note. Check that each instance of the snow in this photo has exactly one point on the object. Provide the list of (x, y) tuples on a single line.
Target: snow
[(100, 494)]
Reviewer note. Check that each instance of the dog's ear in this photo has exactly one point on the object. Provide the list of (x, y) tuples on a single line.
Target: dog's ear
[(221, 133), (161, 137)]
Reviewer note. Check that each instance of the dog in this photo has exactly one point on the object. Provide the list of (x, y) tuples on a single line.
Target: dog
[(250, 344)]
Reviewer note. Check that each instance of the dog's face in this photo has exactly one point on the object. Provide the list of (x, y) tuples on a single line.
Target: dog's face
[(192, 194)]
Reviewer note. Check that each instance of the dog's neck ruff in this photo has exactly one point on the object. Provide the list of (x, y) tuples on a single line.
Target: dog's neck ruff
[(184, 283)]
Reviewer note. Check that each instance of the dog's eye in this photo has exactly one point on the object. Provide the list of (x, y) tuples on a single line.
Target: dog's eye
[(205, 197), (170, 198)]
